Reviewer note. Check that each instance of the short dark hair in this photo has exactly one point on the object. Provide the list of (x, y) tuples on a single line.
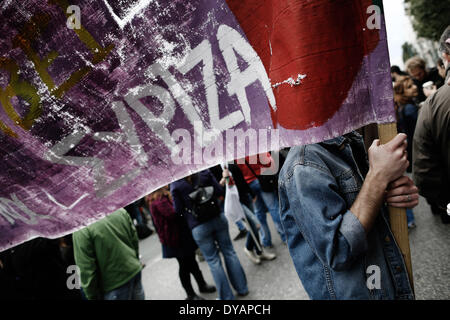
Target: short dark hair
[(444, 42), (395, 69)]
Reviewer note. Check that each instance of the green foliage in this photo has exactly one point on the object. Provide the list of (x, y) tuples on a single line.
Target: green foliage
[(430, 17), (408, 51)]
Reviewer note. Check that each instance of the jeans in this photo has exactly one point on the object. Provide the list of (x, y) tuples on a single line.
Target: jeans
[(252, 221), (207, 235), (132, 290), (248, 202), (272, 202), (409, 216), (240, 225), (267, 201)]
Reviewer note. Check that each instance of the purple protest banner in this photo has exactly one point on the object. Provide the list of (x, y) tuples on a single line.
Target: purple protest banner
[(103, 102)]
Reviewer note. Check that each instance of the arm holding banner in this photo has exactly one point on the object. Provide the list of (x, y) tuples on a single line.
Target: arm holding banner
[(402, 193), (397, 216), (387, 163)]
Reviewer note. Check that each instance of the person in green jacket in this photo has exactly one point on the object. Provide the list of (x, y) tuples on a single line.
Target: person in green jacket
[(107, 253)]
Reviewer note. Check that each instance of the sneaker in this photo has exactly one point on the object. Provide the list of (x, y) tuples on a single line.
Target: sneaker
[(206, 288), (240, 235), (252, 256), (267, 255)]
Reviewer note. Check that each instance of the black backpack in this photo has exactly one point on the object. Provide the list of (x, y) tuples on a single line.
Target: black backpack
[(204, 204)]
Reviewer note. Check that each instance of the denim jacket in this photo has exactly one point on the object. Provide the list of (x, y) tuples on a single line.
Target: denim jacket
[(332, 254)]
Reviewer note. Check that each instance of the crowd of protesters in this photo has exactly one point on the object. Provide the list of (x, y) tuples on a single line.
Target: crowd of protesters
[(421, 98), (328, 204), (107, 251)]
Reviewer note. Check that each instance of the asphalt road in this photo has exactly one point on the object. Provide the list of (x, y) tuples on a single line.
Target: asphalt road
[(278, 280), (430, 254)]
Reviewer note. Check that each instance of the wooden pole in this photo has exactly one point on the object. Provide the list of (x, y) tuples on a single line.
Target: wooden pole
[(397, 216)]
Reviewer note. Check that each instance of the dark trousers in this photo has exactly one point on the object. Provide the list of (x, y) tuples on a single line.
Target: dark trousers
[(189, 265)]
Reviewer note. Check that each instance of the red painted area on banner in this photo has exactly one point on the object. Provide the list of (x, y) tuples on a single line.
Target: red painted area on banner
[(326, 40)]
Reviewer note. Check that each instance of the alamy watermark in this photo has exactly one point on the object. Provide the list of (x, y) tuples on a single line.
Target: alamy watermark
[(208, 147), (73, 281), (374, 277), (74, 20), (374, 20)]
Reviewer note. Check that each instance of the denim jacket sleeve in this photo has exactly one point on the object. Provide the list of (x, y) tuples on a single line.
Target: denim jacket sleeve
[(310, 199)]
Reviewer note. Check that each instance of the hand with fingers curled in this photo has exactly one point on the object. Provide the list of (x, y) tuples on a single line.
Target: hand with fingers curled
[(389, 161), (402, 193)]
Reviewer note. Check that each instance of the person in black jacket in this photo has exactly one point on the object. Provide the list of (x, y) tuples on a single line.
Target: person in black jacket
[(211, 235)]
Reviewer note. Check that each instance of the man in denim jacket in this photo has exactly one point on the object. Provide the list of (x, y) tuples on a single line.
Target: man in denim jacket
[(331, 207)]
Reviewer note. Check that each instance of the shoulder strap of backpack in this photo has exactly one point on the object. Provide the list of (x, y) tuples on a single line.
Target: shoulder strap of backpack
[(248, 166)]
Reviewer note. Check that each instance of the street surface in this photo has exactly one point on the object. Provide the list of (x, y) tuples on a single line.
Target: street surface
[(278, 280)]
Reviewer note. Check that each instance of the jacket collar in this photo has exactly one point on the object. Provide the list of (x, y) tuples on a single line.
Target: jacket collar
[(338, 141)]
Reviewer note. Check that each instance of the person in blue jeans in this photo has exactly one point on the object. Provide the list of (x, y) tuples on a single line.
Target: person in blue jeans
[(206, 235), (212, 236), (107, 254), (265, 200), (242, 230), (132, 290), (253, 248)]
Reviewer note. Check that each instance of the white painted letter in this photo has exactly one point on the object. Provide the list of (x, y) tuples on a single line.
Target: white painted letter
[(203, 53), (229, 42)]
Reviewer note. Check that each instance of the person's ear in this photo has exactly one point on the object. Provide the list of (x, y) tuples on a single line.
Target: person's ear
[(446, 59)]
